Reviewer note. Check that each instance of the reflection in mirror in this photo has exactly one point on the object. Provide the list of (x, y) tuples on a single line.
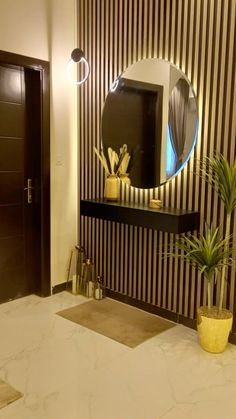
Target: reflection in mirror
[(152, 109)]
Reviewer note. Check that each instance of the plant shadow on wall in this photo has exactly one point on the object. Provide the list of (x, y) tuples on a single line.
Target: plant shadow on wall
[(212, 253)]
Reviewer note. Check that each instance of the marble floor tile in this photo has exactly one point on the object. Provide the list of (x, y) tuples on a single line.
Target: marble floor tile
[(67, 371)]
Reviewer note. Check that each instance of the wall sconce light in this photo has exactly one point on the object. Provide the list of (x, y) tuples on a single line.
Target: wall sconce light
[(77, 57)]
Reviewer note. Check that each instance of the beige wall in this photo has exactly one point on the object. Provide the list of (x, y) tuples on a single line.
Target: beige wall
[(45, 29), (23, 27), (64, 141)]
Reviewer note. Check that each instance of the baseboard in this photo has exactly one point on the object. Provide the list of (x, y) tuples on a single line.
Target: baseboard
[(232, 338), (186, 321), (177, 318), (150, 308), (64, 286)]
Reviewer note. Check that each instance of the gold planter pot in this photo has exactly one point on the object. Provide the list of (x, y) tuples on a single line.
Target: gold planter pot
[(213, 328)]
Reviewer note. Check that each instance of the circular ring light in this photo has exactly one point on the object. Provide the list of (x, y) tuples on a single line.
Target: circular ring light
[(77, 57)]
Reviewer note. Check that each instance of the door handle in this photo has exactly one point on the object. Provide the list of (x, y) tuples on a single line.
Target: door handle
[(29, 189)]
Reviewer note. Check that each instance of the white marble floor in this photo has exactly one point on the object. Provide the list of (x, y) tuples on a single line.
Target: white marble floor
[(67, 371)]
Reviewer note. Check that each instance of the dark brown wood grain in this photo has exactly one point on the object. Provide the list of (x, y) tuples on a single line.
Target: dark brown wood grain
[(24, 153)]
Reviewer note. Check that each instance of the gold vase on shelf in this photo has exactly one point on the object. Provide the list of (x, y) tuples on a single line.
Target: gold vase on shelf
[(116, 168), (124, 177), (112, 188)]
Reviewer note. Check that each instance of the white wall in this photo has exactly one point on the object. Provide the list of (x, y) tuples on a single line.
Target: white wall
[(45, 29)]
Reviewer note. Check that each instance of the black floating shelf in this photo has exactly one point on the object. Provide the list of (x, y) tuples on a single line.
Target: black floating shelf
[(164, 219)]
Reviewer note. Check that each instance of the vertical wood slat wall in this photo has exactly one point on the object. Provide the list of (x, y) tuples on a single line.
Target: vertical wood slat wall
[(199, 37)]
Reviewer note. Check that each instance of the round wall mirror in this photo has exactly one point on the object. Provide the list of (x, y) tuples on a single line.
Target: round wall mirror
[(151, 113)]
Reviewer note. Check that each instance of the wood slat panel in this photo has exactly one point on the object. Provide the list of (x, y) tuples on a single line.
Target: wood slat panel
[(199, 37)]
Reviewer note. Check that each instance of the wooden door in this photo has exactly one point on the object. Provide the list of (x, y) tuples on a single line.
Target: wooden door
[(20, 167)]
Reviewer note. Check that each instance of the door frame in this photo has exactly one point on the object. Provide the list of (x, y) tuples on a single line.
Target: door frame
[(44, 68)]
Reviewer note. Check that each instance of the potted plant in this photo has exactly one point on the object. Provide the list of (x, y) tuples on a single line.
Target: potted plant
[(222, 177), (207, 252), (212, 254)]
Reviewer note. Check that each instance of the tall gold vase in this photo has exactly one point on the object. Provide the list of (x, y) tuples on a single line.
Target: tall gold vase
[(112, 188)]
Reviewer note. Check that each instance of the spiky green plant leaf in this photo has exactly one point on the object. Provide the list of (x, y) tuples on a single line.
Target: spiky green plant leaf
[(222, 177), (218, 172), (206, 252)]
